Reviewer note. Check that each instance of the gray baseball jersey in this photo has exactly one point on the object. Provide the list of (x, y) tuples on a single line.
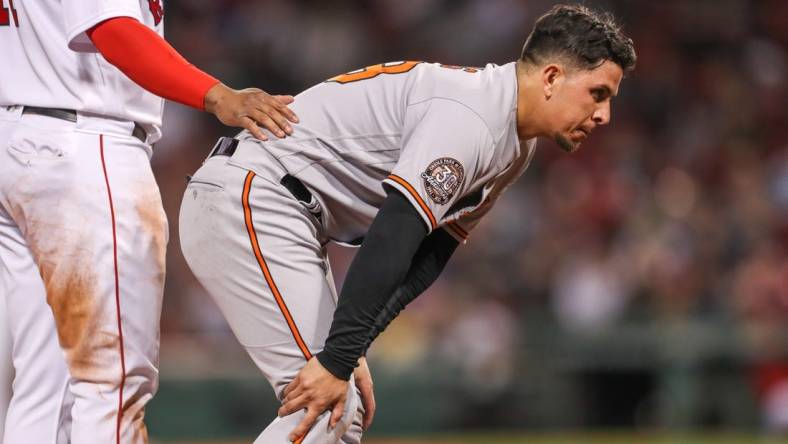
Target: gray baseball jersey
[(444, 136)]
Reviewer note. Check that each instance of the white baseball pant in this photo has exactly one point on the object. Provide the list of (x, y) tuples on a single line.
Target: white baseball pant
[(82, 243), (6, 369), (260, 254)]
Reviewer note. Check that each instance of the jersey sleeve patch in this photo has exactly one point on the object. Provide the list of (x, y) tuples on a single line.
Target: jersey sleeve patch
[(442, 179)]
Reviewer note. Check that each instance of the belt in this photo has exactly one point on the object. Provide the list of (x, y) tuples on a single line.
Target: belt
[(226, 146), (70, 115)]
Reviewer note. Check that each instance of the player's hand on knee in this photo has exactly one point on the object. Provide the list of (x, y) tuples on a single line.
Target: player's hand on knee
[(363, 379), (248, 108), (316, 390)]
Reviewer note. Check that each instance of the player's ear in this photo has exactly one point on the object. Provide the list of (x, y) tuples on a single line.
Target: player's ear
[(552, 75)]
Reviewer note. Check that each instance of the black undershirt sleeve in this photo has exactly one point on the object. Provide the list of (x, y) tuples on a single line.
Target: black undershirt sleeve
[(430, 260), (380, 266)]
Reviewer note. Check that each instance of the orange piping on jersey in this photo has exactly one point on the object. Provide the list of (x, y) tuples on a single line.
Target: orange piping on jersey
[(299, 440), (266, 272), (458, 229), (416, 196)]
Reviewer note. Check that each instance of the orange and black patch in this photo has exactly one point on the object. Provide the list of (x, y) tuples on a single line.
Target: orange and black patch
[(266, 272), (442, 179)]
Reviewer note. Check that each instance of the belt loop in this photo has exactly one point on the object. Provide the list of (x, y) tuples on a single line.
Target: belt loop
[(225, 146), (11, 111)]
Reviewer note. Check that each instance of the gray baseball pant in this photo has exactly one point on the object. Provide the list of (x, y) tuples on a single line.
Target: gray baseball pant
[(260, 254)]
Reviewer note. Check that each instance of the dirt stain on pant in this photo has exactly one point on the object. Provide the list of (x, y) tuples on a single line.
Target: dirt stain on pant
[(82, 317), (153, 223)]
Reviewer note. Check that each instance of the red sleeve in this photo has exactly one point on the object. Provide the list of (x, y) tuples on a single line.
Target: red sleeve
[(150, 61)]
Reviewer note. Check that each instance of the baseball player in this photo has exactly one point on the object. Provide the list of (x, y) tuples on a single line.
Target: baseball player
[(402, 158), (82, 229)]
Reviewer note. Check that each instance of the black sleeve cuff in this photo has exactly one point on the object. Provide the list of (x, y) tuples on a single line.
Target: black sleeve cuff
[(334, 367)]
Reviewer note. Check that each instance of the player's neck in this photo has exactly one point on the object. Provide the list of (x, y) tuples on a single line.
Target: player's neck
[(529, 99)]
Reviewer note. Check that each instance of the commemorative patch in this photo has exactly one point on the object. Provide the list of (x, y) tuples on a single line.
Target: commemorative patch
[(442, 179)]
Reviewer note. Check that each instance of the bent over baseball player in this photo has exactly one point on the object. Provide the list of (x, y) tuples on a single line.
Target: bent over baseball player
[(403, 159), (82, 229)]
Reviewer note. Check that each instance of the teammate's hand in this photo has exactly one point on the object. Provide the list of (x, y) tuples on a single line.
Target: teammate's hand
[(316, 390), (248, 108), (363, 380)]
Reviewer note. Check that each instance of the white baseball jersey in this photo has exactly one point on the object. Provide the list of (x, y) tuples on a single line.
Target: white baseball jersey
[(50, 62), (444, 136)]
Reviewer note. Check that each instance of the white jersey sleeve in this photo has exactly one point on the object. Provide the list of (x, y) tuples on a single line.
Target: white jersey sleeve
[(446, 152), (81, 15)]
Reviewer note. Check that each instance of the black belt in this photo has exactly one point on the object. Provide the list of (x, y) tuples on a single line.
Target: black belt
[(70, 115), (226, 146)]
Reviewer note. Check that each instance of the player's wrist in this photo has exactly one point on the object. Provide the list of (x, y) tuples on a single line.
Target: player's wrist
[(339, 369), (215, 96)]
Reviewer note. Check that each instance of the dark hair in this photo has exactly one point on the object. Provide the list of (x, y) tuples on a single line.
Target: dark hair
[(583, 37)]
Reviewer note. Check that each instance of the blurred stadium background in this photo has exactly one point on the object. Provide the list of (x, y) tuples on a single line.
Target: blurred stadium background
[(639, 286)]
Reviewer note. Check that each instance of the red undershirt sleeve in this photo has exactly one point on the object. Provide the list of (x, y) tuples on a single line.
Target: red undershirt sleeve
[(147, 59)]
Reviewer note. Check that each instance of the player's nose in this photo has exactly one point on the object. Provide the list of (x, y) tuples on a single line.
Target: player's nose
[(601, 115)]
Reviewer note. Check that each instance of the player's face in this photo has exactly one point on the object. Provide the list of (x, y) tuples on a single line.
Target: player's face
[(581, 101)]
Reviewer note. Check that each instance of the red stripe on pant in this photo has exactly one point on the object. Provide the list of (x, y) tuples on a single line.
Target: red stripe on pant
[(117, 291)]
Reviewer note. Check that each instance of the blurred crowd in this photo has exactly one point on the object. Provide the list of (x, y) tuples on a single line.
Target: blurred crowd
[(675, 213)]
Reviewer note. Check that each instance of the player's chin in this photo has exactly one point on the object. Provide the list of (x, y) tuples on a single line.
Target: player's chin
[(567, 144)]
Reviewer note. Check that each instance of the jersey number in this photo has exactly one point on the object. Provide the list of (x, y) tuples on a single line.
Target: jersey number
[(157, 10), (6, 14), (374, 71)]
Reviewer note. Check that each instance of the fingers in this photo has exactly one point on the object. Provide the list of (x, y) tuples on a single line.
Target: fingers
[(293, 405), (266, 122), (250, 125), (294, 384), (303, 427), (251, 109), (276, 109), (284, 99), (336, 414), (282, 102), (277, 115), (268, 113), (368, 401)]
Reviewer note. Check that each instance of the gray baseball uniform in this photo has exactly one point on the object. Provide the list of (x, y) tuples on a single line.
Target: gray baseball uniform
[(254, 221)]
